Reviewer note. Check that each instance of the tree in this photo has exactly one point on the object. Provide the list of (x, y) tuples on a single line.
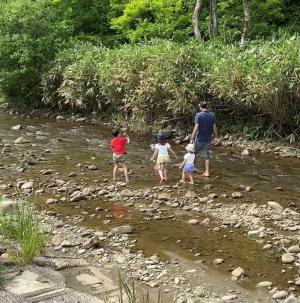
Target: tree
[(246, 22), (213, 19), (195, 20)]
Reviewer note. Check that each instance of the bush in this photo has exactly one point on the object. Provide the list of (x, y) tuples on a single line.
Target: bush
[(24, 232), (160, 83)]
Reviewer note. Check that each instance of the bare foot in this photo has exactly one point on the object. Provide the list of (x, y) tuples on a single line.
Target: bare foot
[(181, 181), (162, 181), (191, 183), (205, 175)]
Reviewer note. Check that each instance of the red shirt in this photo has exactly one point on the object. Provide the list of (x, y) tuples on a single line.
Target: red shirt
[(118, 145)]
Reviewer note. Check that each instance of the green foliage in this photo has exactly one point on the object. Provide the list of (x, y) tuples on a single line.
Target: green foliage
[(30, 34), (22, 227), (143, 20), (159, 83)]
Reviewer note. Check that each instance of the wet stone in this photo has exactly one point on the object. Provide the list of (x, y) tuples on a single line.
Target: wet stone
[(287, 258), (280, 294), (264, 284), (193, 221)]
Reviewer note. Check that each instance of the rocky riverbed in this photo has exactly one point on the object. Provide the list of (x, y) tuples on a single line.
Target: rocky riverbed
[(231, 238)]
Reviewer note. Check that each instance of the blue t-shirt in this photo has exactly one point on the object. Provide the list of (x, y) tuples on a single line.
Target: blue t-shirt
[(206, 122)]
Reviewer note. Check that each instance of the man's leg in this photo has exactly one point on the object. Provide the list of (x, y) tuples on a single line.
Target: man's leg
[(206, 149), (206, 173)]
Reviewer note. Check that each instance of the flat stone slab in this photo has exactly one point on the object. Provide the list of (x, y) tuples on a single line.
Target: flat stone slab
[(86, 279), (28, 283)]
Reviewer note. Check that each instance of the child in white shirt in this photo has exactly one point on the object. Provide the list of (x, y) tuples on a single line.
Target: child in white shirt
[(161, 154), (188, 164)]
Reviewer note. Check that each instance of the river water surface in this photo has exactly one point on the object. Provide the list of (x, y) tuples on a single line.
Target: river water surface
[(68, 144)]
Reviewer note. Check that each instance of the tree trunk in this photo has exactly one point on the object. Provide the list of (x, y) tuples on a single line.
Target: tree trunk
[(196, 23), (213, 27), (246, 22)]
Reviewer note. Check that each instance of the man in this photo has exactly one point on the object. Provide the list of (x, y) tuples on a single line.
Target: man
[(205, 125)]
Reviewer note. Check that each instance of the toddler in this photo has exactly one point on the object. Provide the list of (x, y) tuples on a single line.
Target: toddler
[(188, 164), (161, 154)]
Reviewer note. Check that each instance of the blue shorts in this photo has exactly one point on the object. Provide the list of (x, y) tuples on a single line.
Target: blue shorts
[(189, 168), (203, 148)]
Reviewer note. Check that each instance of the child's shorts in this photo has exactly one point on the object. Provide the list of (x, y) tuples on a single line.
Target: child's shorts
[(189, 168), (162, 159), (119, 159)]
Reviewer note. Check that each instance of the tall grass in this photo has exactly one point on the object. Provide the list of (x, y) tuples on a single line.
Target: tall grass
[(160, 83), (24, 232)]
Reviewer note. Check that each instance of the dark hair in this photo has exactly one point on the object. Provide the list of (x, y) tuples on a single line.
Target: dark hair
[(161, 138), (115, 132), (203, 104)]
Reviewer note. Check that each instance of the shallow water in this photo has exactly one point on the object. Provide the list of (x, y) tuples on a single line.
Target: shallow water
[(73, 143)]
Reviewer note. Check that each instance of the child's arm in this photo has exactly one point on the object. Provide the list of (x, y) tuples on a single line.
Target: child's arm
[(154, 155), (173, 153), (182, 164)]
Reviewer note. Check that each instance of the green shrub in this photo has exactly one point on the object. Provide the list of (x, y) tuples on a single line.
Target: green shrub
[(160, 83), (22, 227)]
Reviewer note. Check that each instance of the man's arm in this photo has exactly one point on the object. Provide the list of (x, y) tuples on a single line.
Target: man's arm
[(194, 133), (215, 131)]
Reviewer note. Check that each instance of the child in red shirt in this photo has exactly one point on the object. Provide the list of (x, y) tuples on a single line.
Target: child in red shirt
[(118, 145)]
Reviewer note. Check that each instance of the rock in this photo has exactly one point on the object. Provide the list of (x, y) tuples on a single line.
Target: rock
[(164, 197), (7, 206), (287, 258), (212, 196), (203, 200), (5, 259), (295, 249), (193, 221), (291, 299), (228, 298), (238, 273), (27, 185), (236, 195), (88, 243), (103, 192), (218, 261), (60, 118), (92, 167), (77, 196), (281, 294), (51, 201), (127, 193), (21, 140), (205, 221), (125, 229), (57, 240), (297, 282), (190, 194), (177, 281), (275, 206), (17, 127), (267, 247), (264, 284), (245, 152)]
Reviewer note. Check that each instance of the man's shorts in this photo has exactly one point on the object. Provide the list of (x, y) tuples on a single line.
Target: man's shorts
[(119, 159), (203, 148)]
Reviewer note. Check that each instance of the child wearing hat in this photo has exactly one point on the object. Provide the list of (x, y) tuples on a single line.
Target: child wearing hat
[(188, 165)]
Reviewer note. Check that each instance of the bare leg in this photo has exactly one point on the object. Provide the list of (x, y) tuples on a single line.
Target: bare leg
[(191, 178), (115, 171), (125, 169), (160, 171), (182, 178), (206, 173), (165, 173)]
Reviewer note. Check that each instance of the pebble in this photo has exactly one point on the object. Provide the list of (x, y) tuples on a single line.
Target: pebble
[(287, 258), (125, 229), (218, 261), (294, 249), (228, 298), (238, 272), (264, 284), (236, 195), (193, 221), (281, 294)]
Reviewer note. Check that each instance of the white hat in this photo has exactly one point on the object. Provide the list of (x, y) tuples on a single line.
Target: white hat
[(190, 148)]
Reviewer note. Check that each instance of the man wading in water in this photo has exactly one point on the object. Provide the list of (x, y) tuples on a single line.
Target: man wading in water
[(205, 125)]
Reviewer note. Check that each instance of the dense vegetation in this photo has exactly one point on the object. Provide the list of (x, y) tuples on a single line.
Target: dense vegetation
[(139, 58)]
